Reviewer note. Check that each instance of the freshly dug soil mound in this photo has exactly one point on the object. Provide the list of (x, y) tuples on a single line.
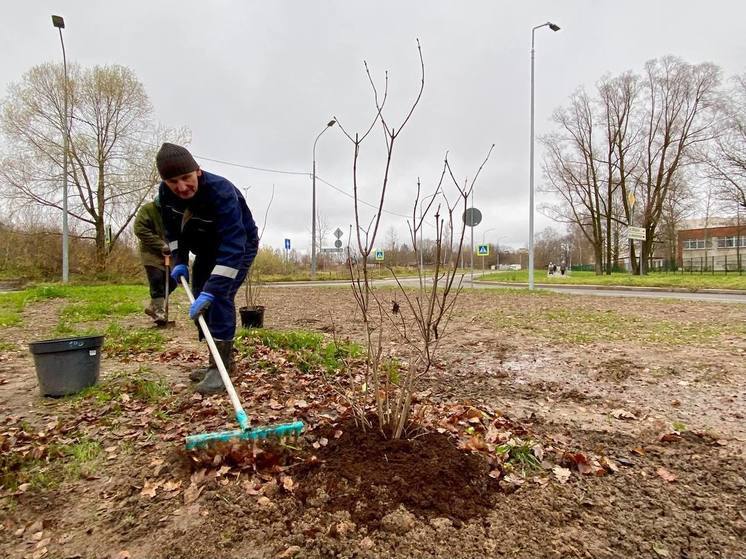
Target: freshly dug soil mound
[(370, 476)]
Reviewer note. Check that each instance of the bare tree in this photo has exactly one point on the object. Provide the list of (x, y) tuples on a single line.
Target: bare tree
[(112, 146), (633, 142), (725, 161), (574, 170), (679, 116)]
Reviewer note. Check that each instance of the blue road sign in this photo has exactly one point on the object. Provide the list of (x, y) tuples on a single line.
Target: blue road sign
[(379, 255), (483, 250), (287, 244)]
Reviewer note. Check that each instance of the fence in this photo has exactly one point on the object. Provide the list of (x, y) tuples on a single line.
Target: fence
[(712, 264), (733, 264)]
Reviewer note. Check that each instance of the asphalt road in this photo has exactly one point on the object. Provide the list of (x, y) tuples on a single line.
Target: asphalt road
[(580, 290)]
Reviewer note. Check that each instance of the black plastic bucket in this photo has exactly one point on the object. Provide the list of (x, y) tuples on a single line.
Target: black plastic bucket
[(252, 317), (68, 365)]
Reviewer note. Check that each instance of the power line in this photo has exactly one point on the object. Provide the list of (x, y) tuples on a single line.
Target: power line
[(243, 166), (284, 172), (267, 170), (375, 207)]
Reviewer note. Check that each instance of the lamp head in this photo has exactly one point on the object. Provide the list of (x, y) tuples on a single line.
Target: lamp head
[(58, 21), (553, 26), (332, 122)]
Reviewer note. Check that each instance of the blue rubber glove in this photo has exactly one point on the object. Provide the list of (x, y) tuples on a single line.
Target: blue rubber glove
[(200, 304), (180, 271)]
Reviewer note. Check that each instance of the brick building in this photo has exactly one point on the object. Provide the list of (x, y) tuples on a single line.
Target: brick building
[(721, 248)]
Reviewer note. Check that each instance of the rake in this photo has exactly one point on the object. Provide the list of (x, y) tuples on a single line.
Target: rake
[(245, 431)]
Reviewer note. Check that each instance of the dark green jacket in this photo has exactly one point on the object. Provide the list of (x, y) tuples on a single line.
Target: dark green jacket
[(149, 229)]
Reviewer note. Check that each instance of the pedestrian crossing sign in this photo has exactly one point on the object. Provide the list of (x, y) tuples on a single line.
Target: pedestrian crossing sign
[(483, 250), (379, 255)]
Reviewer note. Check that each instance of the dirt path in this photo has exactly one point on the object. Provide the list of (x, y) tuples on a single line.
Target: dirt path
[(666, 407)]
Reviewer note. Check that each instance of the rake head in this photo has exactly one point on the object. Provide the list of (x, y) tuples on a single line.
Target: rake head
[(279, 431)]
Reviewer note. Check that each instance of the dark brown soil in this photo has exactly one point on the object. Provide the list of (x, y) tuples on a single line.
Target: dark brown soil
[(669, 495), (369, 475)]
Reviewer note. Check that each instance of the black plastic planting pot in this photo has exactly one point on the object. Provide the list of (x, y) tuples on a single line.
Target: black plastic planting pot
[(68, 365), (252, 317)]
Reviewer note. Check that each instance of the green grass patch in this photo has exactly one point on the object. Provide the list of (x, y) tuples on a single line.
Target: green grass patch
[(307, 350), (81, 458), (576, 324), (46, 467), (124, 341), (392, 367), (692, 282), (87, 302), (98, 310), (13, 303), (8, 346), (518, 453), (151, 390)]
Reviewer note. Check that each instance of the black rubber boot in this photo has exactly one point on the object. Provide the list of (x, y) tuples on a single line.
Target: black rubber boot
[(212, 383), (198, 374)]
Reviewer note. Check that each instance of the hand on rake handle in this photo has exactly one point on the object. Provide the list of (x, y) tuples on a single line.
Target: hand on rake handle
[(180, 271), (200, 304), (165, 250)]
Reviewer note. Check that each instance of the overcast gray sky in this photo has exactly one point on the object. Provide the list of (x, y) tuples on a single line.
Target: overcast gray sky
[(257, 81)]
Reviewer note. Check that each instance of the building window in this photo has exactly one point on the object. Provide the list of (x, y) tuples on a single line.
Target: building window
[(731, 242), (691, 244)]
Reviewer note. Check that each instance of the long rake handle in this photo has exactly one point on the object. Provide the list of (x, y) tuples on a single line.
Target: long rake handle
[(241, 416), (167, 262)]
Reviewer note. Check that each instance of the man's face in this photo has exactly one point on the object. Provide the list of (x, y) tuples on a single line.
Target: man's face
[(185, 186)]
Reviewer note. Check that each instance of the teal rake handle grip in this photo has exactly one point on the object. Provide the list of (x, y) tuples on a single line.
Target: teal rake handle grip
[(241, 417)]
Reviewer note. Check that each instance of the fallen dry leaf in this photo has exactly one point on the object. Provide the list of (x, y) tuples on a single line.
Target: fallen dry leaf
[(150, 488), (288, 484), (562, 474), (192, 493), (620, 413), (250, 488), (666, 475), (172, 485), (291, 551), (609, 464), (199, 476)]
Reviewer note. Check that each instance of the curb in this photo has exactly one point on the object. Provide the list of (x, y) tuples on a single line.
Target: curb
[(581, 286)]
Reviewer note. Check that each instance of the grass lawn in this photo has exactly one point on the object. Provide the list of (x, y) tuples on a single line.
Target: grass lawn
[(86, 303), (692, 282)]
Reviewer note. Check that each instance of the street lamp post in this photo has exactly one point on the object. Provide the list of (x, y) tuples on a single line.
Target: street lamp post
[(59, 23), (313, 202), (553, 27)]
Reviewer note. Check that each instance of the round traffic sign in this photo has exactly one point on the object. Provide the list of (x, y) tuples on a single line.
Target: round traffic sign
[(338, 243), (472, 217)]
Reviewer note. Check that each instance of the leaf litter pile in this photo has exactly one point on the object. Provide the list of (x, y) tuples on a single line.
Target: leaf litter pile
[(119, 451)]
